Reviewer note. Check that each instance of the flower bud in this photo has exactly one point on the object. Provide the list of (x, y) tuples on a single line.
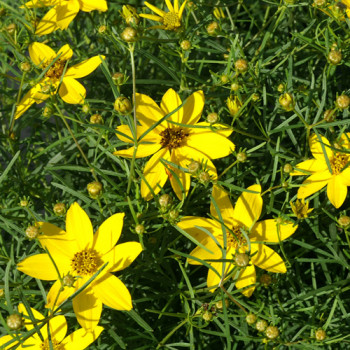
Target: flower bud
[(241, 157), (129, 34), (68, 280), (251, 318), (11, 28), (334, 57), (272, 332), (344, 221), (45, 89), (85, 108), (96, 119), (24, 203), (288, 168), (165, 200), (59, 209), (261, 325), (255, 97), (25, 66), (32, 232), (242, 259), (123, 105), (15, 322), (185, 45), (343, 101), (139, 229), (287, 102), (118, 78), (329, 115), (130, 15), (213, 28), (193, 167), (95, 189), (212, 118), (234, 86), (173, 214), (47, 112), (265, 279), (224, 79), (241, 65), (204, 177), (233, 104), (280, 87), (102, 29), (207, 316), (319, 3), (219, 304), (320, 335)]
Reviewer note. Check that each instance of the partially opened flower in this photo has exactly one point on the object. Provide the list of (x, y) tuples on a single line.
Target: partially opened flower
[(78, 254), (78, 340), (63, 12), (240, 246), (170, 20), (178, 144), (71, 91), (329, 167)]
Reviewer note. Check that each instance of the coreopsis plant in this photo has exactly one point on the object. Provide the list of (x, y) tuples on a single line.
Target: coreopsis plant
[(170, 20), (63, 12), (329, 167), (78, 340), (240, 243), (178, 144), (70, 90), (77, 254)]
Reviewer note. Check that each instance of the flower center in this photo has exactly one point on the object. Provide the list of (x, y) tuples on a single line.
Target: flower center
[(171, 21), (236, 239), (55, 345), (86, 262), (56, 70), (173, 137), (338, 163)]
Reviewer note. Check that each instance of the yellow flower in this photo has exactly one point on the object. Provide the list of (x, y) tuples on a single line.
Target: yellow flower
[(234, 104), (300, 208), (63, 12), (171, 20), (237, 252), (71, 91), (78, 340), (181, 145), (336, 177), (78, 255)]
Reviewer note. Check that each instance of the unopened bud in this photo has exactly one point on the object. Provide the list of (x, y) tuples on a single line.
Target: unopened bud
[(23, 203), (139, 229), (213, 28), (68, 280), (234, 87), (95, 189), (219, 304), (255, 97), (45, 89), (85, 108), (207, 316), (102, 29), (343, 101), (261, 325), (25, 66), (173, 214), (118, 78), (193, 167), (329, 115), (59, 209), (251, 319), (165, 200), (335, 57), (204, 177), (32, 232), (129, 34), (320, 335), (96, 119), (123, 105), (242, 259), (185, 45), (280, 87), (287, 102), (11, 28), (344, 221), (212, 118), (272, 332), (241, 65), (319, 3), (224, 79), (241, 157), (15, 322), (288, 168)]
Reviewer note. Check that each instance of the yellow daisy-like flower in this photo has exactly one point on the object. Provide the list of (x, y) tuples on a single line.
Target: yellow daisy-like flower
[(171, 20), (63, 12), (78, 254), (335, 175), (300, 208), (180, 145), (71, 91), (236, 254), (78, 340)]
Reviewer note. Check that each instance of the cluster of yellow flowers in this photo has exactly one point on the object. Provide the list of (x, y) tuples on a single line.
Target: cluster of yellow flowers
[(232, 242)]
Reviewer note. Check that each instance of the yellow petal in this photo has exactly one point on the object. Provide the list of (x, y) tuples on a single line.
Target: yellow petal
[(151, 17), (148, 112), (182, 9), (267, 259), (248, 207), (84, 68), (155, 9), (313, 184), (247, 277), (310, 166), (113, 293), (48, 23), (40, 3), (223, 202), (193, 108), (271, 232), (65, 53), (204, 255), (142, 151), (345, 137), (213, 279), (38, 266), (170, 101), (211, 143), (66, 12), (7, 338), (56, 296), (316, 147), (40, 53), (176, 6), (87, 308), (189, 223), (79, 225), (154, 174), (91, 5), (58, 327), (336, 191), (122, 255), (71, 91), (108, 234), (81, 338), (169, 5), (37, 316), (345, 176)]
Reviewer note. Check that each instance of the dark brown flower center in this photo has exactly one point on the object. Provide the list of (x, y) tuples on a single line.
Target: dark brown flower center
[(339, 161), (56, 70), (55, 345), (86, 262), (235, 239), (173, 137)]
